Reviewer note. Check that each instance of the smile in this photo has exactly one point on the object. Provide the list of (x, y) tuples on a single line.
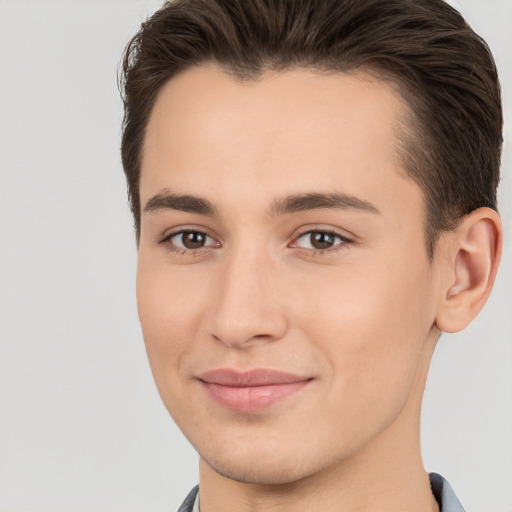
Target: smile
[(252, 390)]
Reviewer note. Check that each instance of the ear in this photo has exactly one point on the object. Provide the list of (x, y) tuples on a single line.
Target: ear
[(471, 256)]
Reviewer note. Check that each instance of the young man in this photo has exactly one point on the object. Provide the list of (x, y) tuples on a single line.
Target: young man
[(314, 192)]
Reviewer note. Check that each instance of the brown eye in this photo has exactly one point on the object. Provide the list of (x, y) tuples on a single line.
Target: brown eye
[(192, 239), (321, 240)]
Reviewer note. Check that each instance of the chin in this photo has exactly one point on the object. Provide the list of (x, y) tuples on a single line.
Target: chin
[(264, 464), (253, 455), (254, 472)]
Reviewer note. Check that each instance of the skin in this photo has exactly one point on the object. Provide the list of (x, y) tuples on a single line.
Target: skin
[(360, 319)]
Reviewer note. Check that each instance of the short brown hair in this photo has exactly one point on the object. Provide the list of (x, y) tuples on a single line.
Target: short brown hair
[(451, 146)]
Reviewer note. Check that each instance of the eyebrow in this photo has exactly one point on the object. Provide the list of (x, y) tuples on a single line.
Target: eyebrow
[(315, 201), (166, 200)]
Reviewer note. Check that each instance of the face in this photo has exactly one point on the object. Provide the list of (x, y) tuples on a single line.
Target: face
[(284, 290)]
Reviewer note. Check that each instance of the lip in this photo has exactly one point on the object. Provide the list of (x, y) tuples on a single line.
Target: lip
[(251, 390)]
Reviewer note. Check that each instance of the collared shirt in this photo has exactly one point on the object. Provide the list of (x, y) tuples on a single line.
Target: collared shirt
[(441, 489)]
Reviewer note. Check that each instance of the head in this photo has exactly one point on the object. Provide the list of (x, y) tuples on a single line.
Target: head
[(313, 185)]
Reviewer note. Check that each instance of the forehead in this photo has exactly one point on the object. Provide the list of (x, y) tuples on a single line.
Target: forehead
[(286, 132)]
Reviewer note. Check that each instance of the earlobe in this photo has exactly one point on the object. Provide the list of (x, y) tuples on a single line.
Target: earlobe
[(473, 258)]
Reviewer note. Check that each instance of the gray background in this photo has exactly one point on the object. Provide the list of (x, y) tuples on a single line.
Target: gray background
[(81, 425)]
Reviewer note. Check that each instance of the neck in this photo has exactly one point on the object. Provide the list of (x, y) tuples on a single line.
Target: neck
[(389, 475)]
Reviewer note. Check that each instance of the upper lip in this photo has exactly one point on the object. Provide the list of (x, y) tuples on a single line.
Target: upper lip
[(249, 378)]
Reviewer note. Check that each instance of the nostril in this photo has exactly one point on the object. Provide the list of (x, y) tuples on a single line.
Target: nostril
[(262, 337), (241, 340)]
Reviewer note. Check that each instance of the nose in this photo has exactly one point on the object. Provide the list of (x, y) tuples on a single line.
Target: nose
[(249, 306)]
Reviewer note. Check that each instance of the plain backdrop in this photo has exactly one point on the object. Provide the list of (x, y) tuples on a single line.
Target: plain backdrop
[(81, 425)]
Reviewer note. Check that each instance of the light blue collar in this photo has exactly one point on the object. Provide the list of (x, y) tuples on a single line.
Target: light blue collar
[(441, 489)]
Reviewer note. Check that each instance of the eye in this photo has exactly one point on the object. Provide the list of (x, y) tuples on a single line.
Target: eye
[(320, 240), (189, 240)]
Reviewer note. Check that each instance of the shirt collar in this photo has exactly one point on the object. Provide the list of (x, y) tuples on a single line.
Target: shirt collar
[(444, 494), (441, 489)]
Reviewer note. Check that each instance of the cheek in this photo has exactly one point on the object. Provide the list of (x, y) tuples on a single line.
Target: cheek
[(169, 312), (370, 323)]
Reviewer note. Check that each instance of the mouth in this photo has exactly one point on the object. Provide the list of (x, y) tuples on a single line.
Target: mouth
[(251, 390)]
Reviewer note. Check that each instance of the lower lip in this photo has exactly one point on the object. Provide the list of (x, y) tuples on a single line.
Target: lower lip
[(252, 398)]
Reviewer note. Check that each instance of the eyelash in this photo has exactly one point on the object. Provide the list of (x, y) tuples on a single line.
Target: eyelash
[(343, 244)]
